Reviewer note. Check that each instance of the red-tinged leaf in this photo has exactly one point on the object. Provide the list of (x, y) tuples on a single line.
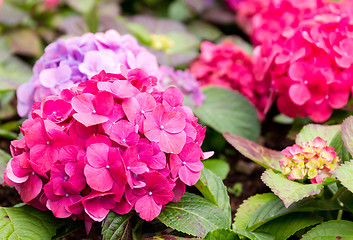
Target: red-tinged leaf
[(25, 42), (264, 156)]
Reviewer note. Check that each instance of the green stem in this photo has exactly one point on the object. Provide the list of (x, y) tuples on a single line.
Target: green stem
[(338, 193), (339, 215)]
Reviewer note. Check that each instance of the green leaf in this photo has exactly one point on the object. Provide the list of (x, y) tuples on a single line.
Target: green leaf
[(140, 32), (7, 110), (116, 226), (275, 208), (25, 42), (193, 215), (248, 208), (183, 42), (344, 173), (81, 6), (266, 157), (219, 167), (68, 226), (179, 10), (335, 229), (347, 133), (311, 131), (284, 227), (213, 189), (13, 72), (26, 223), (221, 234), (4, 158), (204, 30), (289, 191), (228, 111)]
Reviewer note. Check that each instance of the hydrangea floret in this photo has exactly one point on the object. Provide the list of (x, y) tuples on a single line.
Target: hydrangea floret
[(228, 65), (111, 143), (69, 61), (312, 160)]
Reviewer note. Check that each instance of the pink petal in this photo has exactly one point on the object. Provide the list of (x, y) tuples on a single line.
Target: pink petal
[(299, 94), (173, 122), (83, 103), (172, 97), (172, 143), (147, 208), (42, 157), (97, 155), (31, 188), (188, 177), (89, 119), (103, 103), (98, 179)]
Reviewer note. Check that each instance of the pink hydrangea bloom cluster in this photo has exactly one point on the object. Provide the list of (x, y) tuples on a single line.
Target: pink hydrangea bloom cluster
[(68, 62), (227, 65), (311, 65), (183, 80), (311, 160), (110, 143)]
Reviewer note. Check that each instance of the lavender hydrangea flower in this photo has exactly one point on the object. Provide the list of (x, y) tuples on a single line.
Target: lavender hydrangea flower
[(67, 62), (183, 80)]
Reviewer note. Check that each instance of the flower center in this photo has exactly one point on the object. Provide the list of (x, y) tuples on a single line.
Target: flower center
[(48, 142), (150, 193), (66, 195), (128, 168), (143, 112), (94, 112), (184, 163), (161, 127), (124, 140), (107, 166)]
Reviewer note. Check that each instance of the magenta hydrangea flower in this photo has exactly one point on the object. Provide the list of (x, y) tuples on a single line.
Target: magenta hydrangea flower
[(112, 143), (312, 160), (227, 65), (311, 65), (67, 62)]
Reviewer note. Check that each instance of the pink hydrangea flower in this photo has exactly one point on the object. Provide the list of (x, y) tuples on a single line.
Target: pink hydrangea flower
[(67, 62), (311, 67), (112, 143), (227, 65), (312, 160)]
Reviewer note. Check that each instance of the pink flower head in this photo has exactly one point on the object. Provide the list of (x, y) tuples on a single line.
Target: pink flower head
[(311, 65), (311, 160), (113, 142), (227, 65), (67, 62)]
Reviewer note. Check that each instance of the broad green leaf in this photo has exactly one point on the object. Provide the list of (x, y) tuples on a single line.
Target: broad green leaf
[(140, 32), (183, 42), (347, 133), (213, 189), (248, 208), (7, 110), (25, 42), (266, 157), (331, 230), (13, 72), (204, 30), (68, 226), (219, 167), (116, 226), (4, 158), (179, 10), (222, 234), (18, 223), (193, 215), (337, 142), (344, 173), (81, 6), (289, 191), (275, 208), (228, 111), (311, 131), (284, 227)]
